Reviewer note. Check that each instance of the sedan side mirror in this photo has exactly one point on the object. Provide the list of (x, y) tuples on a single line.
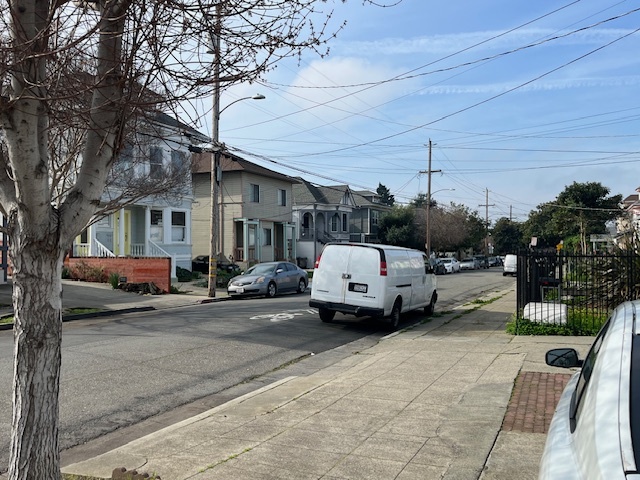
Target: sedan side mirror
[(280, 270), (563, 357)]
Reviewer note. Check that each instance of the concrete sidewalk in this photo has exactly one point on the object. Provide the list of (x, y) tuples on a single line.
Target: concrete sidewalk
[(427, 402)]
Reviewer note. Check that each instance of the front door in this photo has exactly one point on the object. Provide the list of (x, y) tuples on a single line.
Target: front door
[(126, 250)]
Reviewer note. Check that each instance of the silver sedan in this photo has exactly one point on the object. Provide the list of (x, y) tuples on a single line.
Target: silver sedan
[(269, 279)]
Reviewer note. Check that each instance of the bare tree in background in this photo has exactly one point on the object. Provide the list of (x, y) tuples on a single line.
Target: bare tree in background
[(76, 78)]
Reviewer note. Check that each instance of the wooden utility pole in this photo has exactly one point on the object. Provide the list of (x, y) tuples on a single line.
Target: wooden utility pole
[(486, 221), (427, 243)]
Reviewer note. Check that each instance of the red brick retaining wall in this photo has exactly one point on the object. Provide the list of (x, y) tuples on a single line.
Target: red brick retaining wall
[(136, 270)]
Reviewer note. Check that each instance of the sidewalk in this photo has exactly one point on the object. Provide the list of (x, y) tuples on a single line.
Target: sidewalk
[(434, 401)]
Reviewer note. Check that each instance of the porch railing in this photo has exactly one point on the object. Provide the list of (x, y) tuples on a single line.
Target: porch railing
[(84, 250)]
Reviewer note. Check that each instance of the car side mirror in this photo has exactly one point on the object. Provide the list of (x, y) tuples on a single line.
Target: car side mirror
[(280, 270), (563, 357)]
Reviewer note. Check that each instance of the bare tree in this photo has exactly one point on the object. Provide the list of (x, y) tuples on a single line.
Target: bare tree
[(75, 76)]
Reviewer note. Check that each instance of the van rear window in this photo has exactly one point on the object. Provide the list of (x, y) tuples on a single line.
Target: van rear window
[(365, 260)]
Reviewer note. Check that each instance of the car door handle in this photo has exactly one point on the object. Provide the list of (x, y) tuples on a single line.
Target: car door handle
[(346, 276)]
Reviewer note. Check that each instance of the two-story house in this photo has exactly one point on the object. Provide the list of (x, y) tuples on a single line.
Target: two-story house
[(157, 225), (365, 217), (323, 215), (255, 211)]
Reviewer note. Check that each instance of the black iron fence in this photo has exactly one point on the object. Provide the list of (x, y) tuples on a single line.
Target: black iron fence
[(573, 292)]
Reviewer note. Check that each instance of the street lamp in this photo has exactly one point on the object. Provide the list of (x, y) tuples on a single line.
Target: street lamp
[(427, 244), (216, 180)]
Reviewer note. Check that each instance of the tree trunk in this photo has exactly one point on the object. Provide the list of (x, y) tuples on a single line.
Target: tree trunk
[(37, 304)]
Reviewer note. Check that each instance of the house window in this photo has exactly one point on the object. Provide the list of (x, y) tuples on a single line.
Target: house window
[(345, 224), (156, 233), (155, 163), (335, 222), (178, 226), (178, 161), (255, 193), (282, 198), (266, 233), (374, 217)]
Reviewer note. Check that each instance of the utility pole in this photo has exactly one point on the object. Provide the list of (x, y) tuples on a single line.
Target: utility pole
[(486, 221), (215, 157), (427, 244)]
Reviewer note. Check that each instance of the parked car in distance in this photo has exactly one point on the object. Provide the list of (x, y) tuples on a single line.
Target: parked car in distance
[(469, 263), (483, 261), (201, 264), (438, 266), (451, 265), (494, 261), (595, 427), (510, 265), (269, 279)]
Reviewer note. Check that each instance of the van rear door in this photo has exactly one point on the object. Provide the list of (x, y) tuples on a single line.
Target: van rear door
[(348, 274), (363, 284)]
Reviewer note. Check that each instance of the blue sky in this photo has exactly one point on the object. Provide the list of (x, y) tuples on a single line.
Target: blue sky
[(519, 99)]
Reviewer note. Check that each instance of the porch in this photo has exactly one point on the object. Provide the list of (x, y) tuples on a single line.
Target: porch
[(140, 231), (258, 241)]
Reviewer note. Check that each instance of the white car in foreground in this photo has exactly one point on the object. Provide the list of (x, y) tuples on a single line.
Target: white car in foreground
[(595, 431)]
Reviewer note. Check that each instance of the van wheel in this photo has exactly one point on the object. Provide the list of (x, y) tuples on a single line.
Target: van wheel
[(395, 315), (271, 290), (429, 309), (326, 315), (302, 286)]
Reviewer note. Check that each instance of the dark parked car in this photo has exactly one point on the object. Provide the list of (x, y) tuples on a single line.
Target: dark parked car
[(201, 264), (269, 279), (482, 260), (438, 266)]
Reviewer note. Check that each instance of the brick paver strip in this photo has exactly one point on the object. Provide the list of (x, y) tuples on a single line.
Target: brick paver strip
[(534, 399)]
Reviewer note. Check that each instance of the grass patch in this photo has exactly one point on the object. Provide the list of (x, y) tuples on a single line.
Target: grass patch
[(579, 323)]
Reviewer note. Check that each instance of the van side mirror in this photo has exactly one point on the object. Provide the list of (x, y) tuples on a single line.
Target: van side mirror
[(563, 357)]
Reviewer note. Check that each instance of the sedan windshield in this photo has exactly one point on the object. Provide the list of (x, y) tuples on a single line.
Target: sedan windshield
[(260, 269)]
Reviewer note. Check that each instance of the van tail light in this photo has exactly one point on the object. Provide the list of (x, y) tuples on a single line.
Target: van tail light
[(383, 269), (317, 261)]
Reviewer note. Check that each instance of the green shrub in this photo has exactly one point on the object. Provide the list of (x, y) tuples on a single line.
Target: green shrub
[(183, 274), (114, 280), (88, 273), (66, 273)]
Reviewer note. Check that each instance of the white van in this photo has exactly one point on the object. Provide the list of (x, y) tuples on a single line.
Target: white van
[(372, 280), (510, 266)]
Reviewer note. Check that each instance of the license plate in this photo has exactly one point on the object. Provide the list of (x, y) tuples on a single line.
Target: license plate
[(239, 290), (360, 288)]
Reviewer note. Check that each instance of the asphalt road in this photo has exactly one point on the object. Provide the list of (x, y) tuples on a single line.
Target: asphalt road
[(118, 371)]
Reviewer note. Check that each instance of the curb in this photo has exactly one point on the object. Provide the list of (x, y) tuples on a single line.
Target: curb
[(83, 316)]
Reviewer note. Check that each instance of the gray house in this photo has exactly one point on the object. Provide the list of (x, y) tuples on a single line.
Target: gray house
[(365, 217), (322, 214)]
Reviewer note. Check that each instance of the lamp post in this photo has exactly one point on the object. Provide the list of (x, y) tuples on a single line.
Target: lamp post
[(427, 244), (216, 180)]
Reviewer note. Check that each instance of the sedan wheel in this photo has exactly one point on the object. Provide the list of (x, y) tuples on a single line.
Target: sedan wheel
[(271, 290), (302, 286)]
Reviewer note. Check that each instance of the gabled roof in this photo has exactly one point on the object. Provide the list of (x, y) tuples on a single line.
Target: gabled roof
[(233, 163), (367, 198), (305, 193)]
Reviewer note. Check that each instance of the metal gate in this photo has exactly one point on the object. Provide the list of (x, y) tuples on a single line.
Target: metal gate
[(578, 291)]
